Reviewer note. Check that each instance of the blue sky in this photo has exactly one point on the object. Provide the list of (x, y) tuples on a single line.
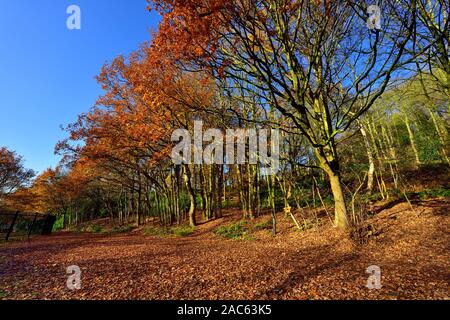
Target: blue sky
[(47, 71)]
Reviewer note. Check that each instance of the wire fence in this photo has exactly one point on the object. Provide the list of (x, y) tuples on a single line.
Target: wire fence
[(20, 225)]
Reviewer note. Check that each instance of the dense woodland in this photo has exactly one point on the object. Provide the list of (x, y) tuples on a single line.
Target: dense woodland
[(358, 109)]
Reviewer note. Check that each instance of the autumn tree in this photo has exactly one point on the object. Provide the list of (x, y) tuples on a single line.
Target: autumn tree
[(127, 135), (13, 174)]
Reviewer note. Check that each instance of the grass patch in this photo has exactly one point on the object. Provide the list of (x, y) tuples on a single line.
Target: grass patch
[(95, 229), (376, 196), (307, 225), (434, 193), (183, 231), (441, 192), (157, 231), (2, 295), (122, 229), (235, 231), (100, 229), (264, 225), (86, 229)]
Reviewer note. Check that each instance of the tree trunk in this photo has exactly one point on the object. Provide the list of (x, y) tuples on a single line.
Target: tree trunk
[(187, 179), (271, 200), (139, 204), (220, 191), (412, 139), (340, 211), (440, 135), (64, 219), (370, 156), (330, 165)]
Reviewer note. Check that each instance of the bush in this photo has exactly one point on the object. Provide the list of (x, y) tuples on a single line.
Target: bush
[(235, 231)]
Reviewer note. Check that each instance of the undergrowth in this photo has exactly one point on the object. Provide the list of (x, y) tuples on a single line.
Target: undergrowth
[(182, 231), (235, 231)]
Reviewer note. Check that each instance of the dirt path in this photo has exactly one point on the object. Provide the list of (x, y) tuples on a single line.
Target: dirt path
[(412, 252)]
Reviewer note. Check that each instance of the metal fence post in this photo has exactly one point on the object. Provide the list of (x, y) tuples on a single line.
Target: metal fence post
[(32, 225), (12, 225)]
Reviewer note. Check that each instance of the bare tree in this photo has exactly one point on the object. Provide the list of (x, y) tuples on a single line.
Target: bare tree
[(317, 62)]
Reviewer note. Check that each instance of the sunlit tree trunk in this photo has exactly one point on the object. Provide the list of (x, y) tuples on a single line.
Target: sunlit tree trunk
[(330, 165), (441, 136), (412, 138), (370, 156)]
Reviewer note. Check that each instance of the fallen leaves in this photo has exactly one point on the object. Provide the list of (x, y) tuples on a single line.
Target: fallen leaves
[(317, 264)]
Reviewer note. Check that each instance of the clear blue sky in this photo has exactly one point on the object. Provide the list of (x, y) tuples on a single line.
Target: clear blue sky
[(47, 71)]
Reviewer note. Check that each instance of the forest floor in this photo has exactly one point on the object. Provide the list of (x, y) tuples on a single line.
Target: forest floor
[(410, 246)]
